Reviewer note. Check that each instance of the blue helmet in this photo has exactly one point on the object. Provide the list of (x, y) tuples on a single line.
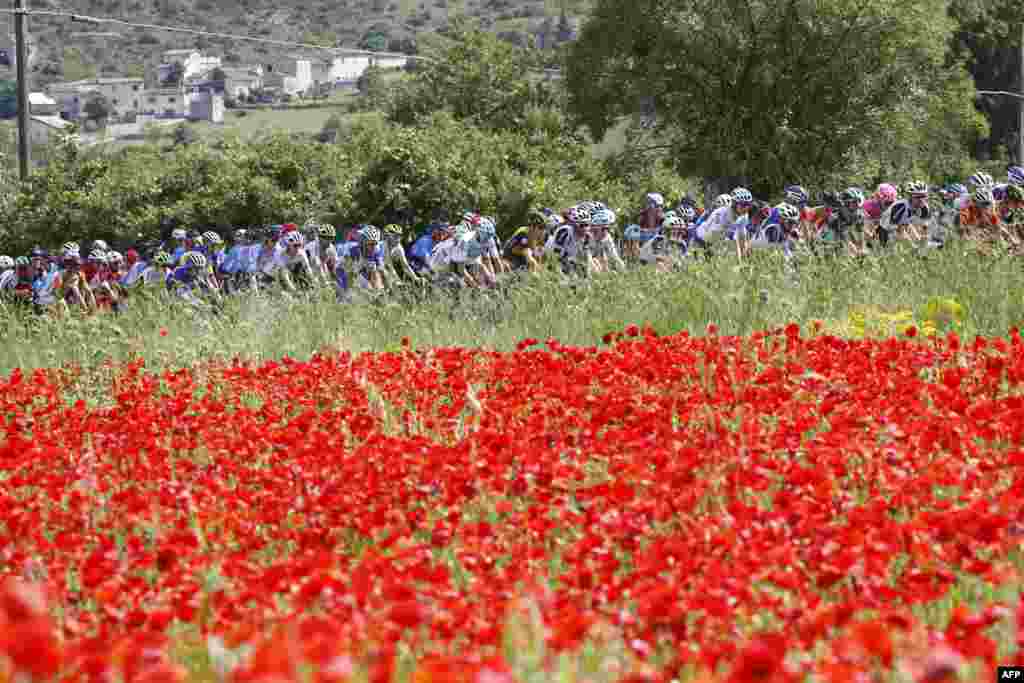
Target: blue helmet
[(1015, 175)]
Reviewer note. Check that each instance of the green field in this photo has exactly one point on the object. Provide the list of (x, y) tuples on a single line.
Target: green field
[(851, 297)]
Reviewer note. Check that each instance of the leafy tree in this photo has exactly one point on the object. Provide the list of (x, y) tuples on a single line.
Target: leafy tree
[(987, 38), (478, 78), (756, 91)]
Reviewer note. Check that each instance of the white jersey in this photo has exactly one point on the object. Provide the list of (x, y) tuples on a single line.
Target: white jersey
[(722, 223), (8, 279)]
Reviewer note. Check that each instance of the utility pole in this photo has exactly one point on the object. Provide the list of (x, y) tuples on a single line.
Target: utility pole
[(22, 61), (1020, 103)]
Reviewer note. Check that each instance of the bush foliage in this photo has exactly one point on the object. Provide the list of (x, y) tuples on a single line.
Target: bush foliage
[(376, 169)]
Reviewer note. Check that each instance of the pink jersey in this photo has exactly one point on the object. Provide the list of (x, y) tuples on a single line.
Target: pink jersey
[(873, 209)]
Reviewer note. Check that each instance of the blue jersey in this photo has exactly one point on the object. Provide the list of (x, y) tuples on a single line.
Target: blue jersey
[(419, 252)]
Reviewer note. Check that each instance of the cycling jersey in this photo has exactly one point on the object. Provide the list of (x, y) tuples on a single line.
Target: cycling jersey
[(723, 222), (972, 216), (134, 276), (570, 249), (816, 216), (419, 252), (45, 287), (873, 210)]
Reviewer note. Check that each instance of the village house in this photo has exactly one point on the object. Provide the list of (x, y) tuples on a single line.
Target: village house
[(167, 102), (193, 63), (291, 76), (242, 81), (124, 95), (346, 67)]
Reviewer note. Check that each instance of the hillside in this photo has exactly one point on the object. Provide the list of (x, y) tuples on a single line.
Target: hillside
[(67, 50)]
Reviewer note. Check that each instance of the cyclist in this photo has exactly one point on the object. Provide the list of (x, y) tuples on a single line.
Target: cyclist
[(293, 262), (1012, 213), (947, 214), (157, 275), (845, 224), (980, 218), (913, 212), (75, 291), (21, 290), (728, 222), (668, 246), (422, 249), (569, 243), (99, 281), (605, 254), (875, 208), (395, 260), (238, 269), (522, 250), (178, 245), (367, 259), (779, 231), (8, 277), (189, 280)]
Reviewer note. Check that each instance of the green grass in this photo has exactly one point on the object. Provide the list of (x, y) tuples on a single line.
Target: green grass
[(739, 299), (249, 122)]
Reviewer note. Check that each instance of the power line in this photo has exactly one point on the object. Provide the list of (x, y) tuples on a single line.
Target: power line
[(88, 19)]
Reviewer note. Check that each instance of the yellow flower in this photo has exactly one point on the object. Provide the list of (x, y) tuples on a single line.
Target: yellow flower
[(944, 312)]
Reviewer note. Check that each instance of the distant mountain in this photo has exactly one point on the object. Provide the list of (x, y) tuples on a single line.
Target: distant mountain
[(68, 50)]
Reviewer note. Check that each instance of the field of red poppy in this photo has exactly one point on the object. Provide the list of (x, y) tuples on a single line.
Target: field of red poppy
[(769, 507)]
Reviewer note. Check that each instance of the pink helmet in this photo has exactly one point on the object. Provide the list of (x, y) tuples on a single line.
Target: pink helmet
[(887, 193)]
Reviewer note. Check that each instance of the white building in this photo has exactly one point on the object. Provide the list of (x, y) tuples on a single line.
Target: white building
[(171, 102), (123, 94), (291, 76), (206, 106), (242, 81), (193, 63), (40, 104), (349, 66)]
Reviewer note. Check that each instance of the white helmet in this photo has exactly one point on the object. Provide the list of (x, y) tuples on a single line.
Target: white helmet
[(655, 200), (723, 200), (179, 234), (742, 195), (293, 238), (788, 212), (6, 262), (115, 258)]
